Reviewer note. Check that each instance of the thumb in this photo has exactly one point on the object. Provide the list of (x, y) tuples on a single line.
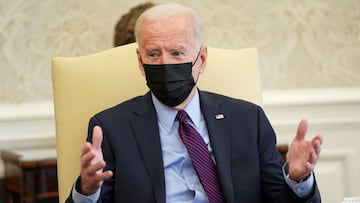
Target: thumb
[(301, 130), (97, 138)]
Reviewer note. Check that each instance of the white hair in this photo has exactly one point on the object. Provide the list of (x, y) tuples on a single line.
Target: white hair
[(165, 11)]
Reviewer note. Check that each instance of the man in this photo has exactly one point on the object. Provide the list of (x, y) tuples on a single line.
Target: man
[(140, 151)]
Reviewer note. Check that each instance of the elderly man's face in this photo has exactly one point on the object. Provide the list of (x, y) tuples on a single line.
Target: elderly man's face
[(170, 41)]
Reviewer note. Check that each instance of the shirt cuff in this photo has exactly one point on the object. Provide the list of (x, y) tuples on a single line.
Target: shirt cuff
[(80, 198), (301, 189)]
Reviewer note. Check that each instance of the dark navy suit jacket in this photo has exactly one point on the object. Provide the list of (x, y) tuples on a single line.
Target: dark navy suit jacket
[(243, 142)]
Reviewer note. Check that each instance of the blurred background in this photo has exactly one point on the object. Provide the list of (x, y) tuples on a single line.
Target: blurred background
[(302, 43)]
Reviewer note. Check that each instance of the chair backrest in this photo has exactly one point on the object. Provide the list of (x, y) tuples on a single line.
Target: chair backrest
[(86, 85)]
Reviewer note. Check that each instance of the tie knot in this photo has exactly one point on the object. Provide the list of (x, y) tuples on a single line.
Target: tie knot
[(182, 115)]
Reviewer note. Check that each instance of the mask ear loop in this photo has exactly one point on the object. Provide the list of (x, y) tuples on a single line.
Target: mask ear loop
[(141, 61), (194, 64), (196, 58)]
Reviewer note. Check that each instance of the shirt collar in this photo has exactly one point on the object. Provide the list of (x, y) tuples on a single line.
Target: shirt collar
[(166, 115)]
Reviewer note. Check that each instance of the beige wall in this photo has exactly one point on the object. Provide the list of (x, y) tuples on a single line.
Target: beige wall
[(302, 43)]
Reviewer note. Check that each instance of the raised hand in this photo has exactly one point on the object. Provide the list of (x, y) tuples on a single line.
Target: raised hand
[(92, 164), (303, 155)]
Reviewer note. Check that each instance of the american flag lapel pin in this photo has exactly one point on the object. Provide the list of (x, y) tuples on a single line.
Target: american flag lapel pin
[(219, 116)]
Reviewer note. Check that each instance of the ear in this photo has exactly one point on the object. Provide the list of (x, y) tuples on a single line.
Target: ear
[(141, 68), (203, 59)]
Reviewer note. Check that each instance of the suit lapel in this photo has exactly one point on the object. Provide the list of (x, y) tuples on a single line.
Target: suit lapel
[(147, 134), (218, 124)]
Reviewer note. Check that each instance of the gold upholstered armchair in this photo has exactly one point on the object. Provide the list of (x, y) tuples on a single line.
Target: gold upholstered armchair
[(86, 85)]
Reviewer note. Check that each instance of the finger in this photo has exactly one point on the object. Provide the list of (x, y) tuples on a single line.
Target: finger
[(94, 168), (97, 175), (97, 138), (301, 131), (318, 150), (318, 139), (101, 176), (313, 157), (316, 143), (86, 159), (85, 149), (105, 175)]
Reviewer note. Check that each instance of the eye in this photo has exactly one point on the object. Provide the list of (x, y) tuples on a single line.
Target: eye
[(177, 53), (153, 55)]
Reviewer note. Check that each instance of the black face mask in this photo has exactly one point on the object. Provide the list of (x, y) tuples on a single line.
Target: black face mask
[(170, 83)]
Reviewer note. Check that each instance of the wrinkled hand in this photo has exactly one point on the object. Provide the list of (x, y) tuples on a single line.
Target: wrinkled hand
[(92, 164), (303, 155)]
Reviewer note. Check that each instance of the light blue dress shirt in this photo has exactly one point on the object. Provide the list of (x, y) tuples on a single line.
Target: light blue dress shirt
[(181, 182)]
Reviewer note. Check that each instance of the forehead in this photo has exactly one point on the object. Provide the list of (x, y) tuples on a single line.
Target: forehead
[(175, 33)]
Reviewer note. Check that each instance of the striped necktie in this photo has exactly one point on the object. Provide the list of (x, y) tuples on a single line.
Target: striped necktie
[(201, 158)]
